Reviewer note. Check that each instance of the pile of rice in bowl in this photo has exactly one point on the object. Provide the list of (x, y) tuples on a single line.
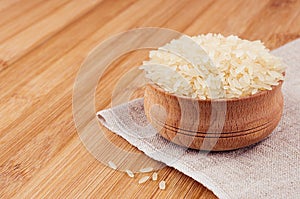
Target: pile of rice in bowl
[(213, 66)]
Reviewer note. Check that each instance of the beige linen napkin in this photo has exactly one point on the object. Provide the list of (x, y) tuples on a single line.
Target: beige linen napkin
[(269, 169)]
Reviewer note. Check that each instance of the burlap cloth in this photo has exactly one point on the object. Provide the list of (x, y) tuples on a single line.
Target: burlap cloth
[(269, 169)]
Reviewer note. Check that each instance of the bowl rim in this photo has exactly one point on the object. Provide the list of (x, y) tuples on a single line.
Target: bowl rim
[(256, 95)]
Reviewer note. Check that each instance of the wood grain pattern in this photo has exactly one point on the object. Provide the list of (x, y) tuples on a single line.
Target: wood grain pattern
[(14, 10), (34, 35), (41, 154), (7, 3), (21, 22)]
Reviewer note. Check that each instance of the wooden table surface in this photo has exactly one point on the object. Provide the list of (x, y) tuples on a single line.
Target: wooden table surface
[(42, 45)]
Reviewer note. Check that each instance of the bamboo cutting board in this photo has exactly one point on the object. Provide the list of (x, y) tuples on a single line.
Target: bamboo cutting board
[(43, 43)]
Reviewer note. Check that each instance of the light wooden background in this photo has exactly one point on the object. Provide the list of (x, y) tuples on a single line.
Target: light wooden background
[(43, 43)]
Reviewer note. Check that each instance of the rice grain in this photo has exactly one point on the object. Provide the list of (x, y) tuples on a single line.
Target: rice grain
[(112, 165), (130, 173), (146, 170), (143, 179), (154, 176), (162, 185)]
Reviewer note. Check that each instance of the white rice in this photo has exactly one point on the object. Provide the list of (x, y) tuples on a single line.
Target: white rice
[(162, 185), (146, 170), (112, 165), (130, 173), (144, 179), (154, 176), (222, 67)]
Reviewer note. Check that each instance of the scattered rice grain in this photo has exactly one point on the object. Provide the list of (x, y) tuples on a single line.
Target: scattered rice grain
[(112, 165), (143, 179), (130, 173), (154, 176), (162, 185), (146, 170)]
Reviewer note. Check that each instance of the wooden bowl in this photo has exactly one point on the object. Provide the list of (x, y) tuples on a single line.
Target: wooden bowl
[(213, 125)]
